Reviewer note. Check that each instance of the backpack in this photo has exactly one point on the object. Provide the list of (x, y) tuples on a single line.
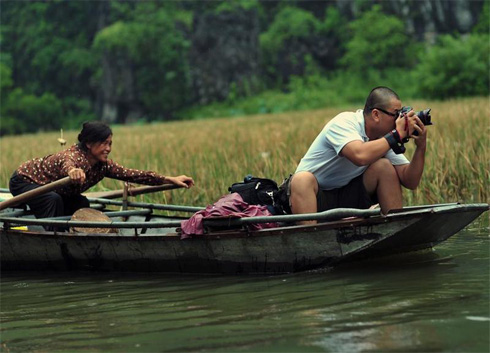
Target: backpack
[(256, 191)]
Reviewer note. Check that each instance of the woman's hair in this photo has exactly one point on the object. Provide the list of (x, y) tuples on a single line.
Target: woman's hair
[(93, 131)]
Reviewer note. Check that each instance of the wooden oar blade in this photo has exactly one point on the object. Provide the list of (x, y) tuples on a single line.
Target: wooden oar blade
[(26, 196), (22, 198)]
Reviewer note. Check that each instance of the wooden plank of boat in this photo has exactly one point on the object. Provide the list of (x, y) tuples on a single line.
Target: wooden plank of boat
[(268, 251), (437, 226)]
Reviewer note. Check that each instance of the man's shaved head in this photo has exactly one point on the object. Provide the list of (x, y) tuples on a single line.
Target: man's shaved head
[(379, 97)]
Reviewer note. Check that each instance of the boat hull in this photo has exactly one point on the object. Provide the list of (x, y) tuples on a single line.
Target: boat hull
[(273, 251)]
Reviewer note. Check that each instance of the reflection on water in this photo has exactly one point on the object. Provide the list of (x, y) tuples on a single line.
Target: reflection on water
[(429, 301)]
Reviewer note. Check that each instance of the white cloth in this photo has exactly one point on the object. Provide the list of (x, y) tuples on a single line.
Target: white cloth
[(331, 170)]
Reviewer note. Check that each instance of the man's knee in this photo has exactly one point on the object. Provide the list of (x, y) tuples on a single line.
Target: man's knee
[(382, 167), (304, 188), (303, 182), (381, 171)]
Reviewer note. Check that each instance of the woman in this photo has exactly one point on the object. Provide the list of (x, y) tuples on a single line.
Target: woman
[(86, 163)]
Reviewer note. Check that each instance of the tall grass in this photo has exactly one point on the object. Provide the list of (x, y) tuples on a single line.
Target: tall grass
[(219, 152)]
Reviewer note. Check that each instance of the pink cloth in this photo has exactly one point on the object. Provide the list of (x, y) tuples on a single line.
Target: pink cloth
[(230, 205)]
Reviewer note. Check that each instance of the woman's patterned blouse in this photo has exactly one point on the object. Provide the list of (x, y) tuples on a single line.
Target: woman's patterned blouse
[(56, 166)]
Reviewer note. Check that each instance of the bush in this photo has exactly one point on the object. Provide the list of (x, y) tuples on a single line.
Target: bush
[(30, 112), (455, 67)]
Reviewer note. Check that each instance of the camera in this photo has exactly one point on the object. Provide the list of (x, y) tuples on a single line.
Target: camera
[(424, 115)]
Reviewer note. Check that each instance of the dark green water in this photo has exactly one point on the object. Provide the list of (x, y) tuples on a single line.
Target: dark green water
[(425, 302)]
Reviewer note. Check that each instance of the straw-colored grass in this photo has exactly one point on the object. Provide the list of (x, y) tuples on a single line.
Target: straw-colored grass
[(219, 152)]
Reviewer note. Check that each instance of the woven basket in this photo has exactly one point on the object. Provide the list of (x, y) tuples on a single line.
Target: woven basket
[(91, 215)]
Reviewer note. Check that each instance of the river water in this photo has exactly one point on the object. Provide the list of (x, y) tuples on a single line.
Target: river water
[(432, 301)]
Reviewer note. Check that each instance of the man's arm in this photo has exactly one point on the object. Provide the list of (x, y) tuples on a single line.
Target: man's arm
[(365, 153), (410, 174)]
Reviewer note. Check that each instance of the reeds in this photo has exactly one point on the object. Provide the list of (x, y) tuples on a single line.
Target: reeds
[(219, 152)]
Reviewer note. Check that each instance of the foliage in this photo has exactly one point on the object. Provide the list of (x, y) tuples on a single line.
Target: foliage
[(5, 78), (48, 58), (23, 112), (156, 53), (74, 59), (334, 25), (236, 5), (296, 40), (290, 24), (50, 52), (483, 25), (378, 42), (456, 66)]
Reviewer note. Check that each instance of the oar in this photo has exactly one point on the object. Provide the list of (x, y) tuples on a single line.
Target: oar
[(131, 192), (26, 196)]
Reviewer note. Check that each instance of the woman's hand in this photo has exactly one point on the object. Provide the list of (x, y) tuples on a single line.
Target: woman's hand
[(181, 180), (77, 175)]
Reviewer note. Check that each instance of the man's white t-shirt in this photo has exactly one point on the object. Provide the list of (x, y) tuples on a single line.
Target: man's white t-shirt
[(331, 170)]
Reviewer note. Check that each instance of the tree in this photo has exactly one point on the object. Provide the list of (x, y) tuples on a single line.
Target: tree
[(51, 63), (378, 42), (146, 61), (296, 35)]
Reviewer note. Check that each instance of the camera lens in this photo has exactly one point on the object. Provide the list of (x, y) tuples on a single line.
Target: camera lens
[(424, 115)]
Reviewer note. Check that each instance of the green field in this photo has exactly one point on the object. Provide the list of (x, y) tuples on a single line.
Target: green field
[(219, 152)]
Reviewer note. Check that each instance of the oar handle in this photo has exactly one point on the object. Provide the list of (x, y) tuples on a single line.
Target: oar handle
[(132, 192), (26, 196)]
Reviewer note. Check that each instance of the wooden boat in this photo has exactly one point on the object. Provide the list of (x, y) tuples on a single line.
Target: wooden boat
[(150, 242)]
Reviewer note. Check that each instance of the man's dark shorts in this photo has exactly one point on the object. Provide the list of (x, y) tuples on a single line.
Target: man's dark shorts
[(352, 195)]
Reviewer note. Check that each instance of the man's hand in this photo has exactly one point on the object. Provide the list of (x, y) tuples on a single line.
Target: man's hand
[(181, 180), (405, 124), (421, 138), (77, 175)]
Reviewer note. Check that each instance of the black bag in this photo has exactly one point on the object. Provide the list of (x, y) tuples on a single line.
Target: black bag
[(256, 191), (281, 197)]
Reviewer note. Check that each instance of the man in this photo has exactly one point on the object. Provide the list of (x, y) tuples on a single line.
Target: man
[(352, 163)]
